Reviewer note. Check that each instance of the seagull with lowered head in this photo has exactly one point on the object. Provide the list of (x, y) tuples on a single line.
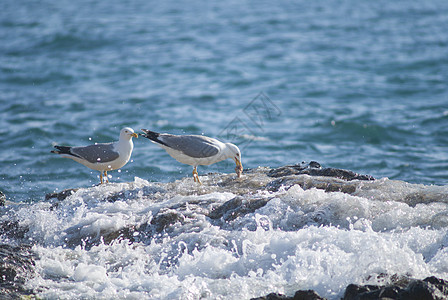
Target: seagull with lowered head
[(195, 150)]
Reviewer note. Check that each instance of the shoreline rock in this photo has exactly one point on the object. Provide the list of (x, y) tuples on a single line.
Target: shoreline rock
[(430, 288), (329, 179), (427, 289)]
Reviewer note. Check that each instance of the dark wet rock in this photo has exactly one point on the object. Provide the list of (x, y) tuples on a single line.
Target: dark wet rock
[(403, 288), (307, 295), (430, 288), (440, 284), (355, 291), (16, 265), (166, 218), (315, 169), (161, 222), (299, 295), (328, 179), (294, 169), (241, 186), (328, 185), (228, 206), (74, 239), (119, 196), (129, 194), (419, 197), (2, 199), (237, 207), (127, 233), (272, 296), (13, 230), (60, 195), (340, 173), (423, 289)]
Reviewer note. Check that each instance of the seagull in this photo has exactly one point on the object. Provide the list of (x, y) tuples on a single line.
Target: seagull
[(196, 150), (102, 157)]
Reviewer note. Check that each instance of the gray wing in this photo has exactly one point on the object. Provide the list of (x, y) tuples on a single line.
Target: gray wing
[(196, 146), (98, 153)]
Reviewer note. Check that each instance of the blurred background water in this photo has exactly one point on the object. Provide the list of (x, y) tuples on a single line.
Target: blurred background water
[(359, 85)]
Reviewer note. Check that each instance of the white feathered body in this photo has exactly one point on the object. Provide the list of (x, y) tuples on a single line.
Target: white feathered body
[(198, 161), (123, 147)]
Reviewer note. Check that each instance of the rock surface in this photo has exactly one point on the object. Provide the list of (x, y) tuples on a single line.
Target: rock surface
[(16, 265), (299, 295), (315, 169), (2, 199), (430, 288)]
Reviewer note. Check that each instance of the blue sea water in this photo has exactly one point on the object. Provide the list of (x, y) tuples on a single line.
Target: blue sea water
[(355, 84), (359, 85)]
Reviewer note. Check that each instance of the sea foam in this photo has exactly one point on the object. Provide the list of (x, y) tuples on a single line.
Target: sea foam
[(148, 240)]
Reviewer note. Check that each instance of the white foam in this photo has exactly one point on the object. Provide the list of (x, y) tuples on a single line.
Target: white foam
[(302, 239)]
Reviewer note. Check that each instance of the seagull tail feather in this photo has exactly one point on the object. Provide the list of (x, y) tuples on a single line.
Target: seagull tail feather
[(152, 135), (62, 150)]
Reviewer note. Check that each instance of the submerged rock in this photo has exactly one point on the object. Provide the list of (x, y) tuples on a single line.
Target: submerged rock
[(166, 218), (60, 195), (237, 207)]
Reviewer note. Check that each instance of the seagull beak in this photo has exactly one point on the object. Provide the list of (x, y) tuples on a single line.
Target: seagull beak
[(239, 167), (134, 135)]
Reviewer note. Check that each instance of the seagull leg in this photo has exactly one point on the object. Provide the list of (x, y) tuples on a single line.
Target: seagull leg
[(101, 177), (107, 178), (196, 176)]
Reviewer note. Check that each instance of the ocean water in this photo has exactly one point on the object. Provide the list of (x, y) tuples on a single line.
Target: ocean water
[(351, 84)]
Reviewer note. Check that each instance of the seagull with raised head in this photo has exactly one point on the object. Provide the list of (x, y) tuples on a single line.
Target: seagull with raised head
[(195, 150), (102, 157)]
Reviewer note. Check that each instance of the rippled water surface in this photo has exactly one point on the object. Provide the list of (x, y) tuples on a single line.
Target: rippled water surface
[(358, 85)]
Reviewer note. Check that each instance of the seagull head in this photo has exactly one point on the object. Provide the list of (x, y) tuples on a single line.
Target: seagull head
[(127, 133), (234, 152)]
